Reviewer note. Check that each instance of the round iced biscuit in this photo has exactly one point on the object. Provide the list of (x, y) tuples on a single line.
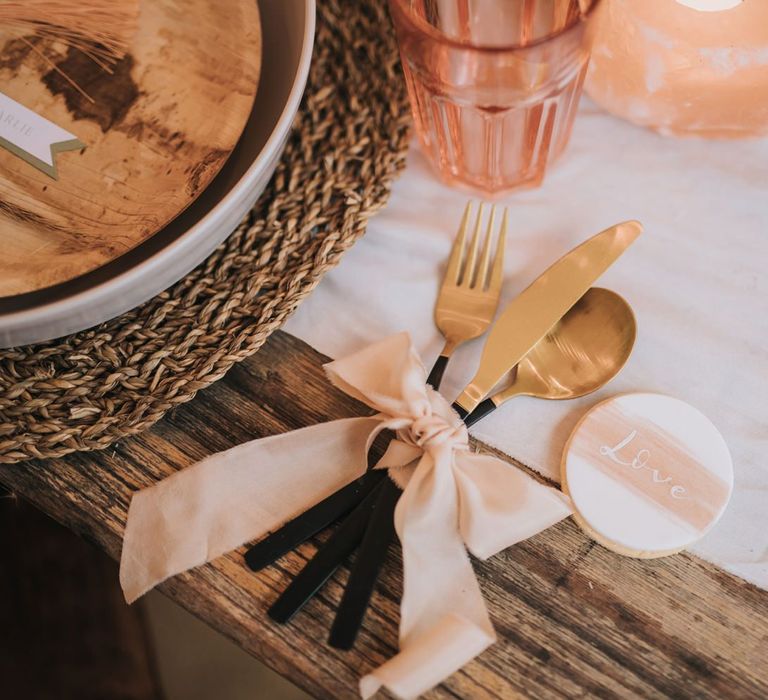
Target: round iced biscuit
[(648, 474)]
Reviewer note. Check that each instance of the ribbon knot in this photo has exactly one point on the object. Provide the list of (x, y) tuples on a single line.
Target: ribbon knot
[(433, 431), (453, 501)]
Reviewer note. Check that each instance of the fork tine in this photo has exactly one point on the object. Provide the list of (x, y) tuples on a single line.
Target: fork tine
[(453, 271), (469, 269), (497, 275), (481, 279)]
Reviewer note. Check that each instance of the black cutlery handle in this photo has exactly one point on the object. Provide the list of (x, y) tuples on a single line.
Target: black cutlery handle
[(311, 521), (322, 514), (341, 544), (362, 579), (463, 413), (481, 411), (325, 561), (438, 369), (373, 550)]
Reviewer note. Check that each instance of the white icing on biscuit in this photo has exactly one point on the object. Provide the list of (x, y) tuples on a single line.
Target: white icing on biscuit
[(648, 474)]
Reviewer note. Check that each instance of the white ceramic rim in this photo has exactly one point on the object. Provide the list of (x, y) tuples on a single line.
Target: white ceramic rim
[(149, 277)]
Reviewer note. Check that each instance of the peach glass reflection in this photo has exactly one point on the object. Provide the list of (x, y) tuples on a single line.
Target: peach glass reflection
[(494, 84), (684, 66)]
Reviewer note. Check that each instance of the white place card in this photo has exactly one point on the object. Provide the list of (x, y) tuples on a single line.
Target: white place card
[(32, 137)]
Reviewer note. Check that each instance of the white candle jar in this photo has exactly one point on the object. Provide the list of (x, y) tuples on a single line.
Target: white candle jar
[(696, 67)]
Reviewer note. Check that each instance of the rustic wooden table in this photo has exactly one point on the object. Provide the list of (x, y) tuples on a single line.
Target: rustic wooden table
[(573, 619)]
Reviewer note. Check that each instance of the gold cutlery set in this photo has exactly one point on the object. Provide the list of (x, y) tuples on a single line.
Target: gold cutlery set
[(559, 339)]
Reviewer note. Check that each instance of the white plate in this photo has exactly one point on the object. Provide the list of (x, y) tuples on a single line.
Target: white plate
[(288, 30)]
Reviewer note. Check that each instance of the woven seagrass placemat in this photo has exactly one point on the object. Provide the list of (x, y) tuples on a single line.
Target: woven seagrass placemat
[(87, 390)]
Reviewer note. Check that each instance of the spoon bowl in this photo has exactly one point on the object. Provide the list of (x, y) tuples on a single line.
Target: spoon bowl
[(582, 352)]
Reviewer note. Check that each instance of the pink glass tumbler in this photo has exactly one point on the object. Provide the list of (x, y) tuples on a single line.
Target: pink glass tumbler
[(494, 84)]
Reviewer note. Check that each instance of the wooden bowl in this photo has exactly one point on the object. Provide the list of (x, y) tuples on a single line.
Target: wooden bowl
[(288, 31), (157, 129)]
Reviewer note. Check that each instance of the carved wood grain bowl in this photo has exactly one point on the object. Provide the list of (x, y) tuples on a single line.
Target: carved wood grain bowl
[(158, 130)]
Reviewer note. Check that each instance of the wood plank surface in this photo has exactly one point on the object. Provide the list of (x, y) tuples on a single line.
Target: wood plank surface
[(156, 129), (573, 619)]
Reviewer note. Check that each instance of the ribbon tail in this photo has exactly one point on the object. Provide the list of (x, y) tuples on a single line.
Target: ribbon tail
[(428, 660), (500, 505), (444, 622), (236, 496)]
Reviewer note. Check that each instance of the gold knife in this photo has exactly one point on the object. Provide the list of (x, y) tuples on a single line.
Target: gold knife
[(531, 315)]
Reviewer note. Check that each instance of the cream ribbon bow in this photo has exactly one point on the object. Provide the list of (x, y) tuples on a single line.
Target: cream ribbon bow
[(453, 500)]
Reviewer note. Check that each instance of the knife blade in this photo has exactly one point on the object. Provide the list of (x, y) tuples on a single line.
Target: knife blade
[(530, 315)]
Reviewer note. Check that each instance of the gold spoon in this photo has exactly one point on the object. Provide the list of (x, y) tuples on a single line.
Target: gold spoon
[(581, 353)]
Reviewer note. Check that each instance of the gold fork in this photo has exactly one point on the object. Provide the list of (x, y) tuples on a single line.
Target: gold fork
[(465, 308), (471, 287)]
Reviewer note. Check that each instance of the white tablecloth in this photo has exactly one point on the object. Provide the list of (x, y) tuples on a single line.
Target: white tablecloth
[(696, 280)]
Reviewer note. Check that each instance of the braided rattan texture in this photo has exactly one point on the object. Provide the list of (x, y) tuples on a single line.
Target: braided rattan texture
[(85, 391)]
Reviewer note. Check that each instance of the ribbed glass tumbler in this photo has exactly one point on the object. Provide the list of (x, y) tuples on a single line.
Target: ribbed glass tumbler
[(494, 84)]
